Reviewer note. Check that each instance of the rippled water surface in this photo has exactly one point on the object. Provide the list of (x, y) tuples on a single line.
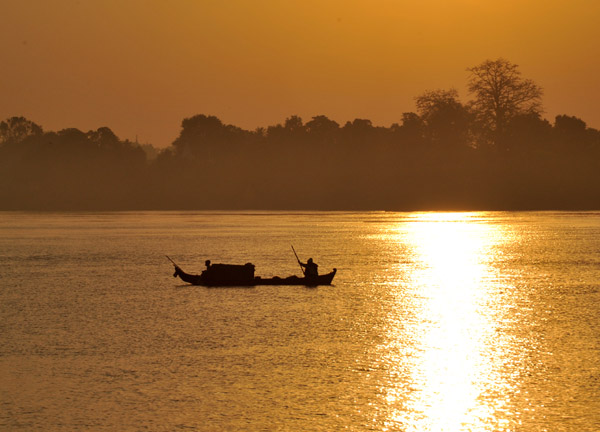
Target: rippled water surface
[(435, 322)]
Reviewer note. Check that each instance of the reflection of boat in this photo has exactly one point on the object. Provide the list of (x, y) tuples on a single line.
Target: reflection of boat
[(243, 275)]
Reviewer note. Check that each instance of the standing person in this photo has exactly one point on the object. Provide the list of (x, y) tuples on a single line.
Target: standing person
[(311, 271)]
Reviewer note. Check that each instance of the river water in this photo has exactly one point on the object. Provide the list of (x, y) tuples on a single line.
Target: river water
[(435, 322)]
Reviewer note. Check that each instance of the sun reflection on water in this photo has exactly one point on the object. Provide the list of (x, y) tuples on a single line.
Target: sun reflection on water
[(445, 345)]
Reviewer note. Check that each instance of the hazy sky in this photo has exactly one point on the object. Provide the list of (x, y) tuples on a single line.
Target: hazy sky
[(141, 66)]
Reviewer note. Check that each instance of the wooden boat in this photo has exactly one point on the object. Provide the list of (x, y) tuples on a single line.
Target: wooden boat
[(237, 275)]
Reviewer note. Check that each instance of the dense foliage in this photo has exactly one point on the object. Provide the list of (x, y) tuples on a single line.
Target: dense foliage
[(494, 152)]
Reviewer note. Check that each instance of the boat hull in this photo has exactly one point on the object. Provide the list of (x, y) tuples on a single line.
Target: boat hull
[(325, 279), (193, 279)]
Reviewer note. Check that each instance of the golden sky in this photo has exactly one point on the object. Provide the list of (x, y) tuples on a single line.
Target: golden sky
[(141, 66)]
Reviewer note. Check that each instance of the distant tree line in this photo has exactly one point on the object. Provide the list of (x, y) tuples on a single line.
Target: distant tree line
[(495, 151)]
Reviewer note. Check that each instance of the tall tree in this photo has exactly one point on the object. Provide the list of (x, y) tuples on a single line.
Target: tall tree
[(501, 93)]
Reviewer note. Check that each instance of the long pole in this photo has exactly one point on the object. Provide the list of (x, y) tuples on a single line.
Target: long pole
[(172, 261), (299, 263)]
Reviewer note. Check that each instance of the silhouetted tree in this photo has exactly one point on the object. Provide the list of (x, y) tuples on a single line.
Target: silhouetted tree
[(103, 137), (573, 135), (411, 120), (261, 132), (569, 124), (411, 130), (446, 121), (501, 93), (358, 135), (294, 124), (321, 125), (527, 132), (207, 137), (570, 128), (322, 135), (293, 130), (16, 129), (196, 134), (359, 125)]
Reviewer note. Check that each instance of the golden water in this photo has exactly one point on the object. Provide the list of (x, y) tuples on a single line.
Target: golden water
[(436, 322)]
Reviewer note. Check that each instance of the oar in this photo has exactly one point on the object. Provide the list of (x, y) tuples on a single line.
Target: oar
[(171, 261), (299, 263)]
